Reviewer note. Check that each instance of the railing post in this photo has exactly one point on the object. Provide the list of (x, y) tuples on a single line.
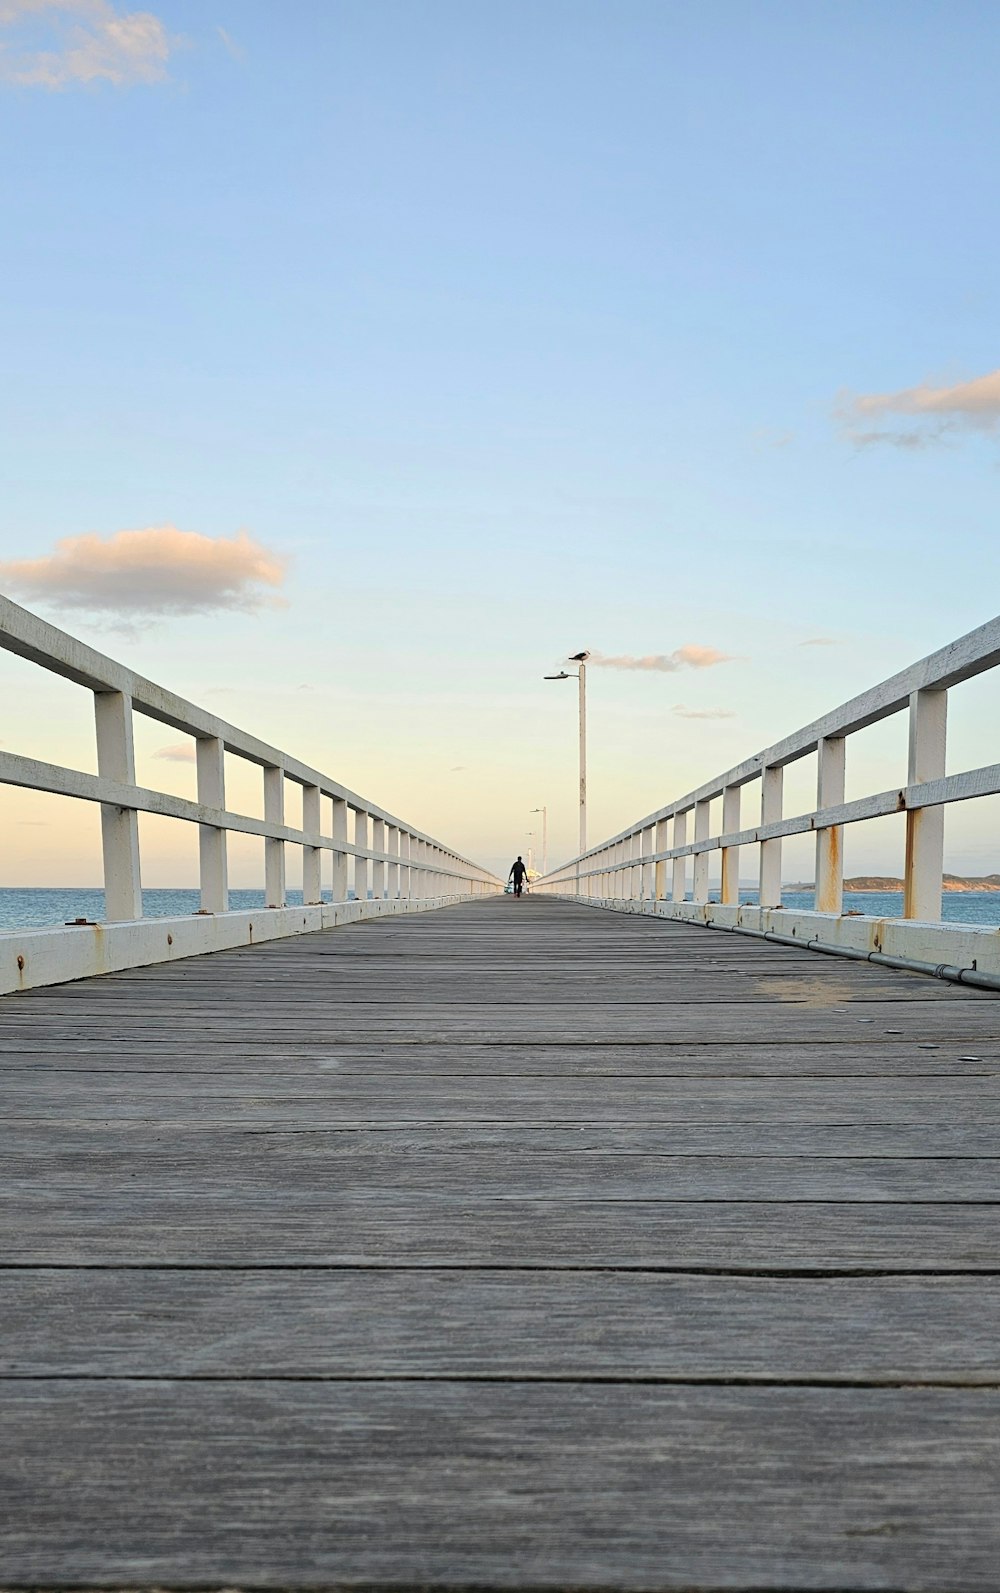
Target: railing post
[(925, 826), (405, 873), (646, 876), (771, 812), (119, 826), (312, 879), (731, 804), (274, 850), (678, 884), (702, 830), (339, 833), (829, 841), (361, 863), (210, 757), (392, 876), (378, 869), (661, 843)]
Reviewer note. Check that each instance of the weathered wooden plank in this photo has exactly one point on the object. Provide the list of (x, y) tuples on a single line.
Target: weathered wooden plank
[(966, 1023), (539, 1485), (881, 1057), (303, 1163), (208, 1139), (126, 1222), (335, 1100), (497, 1324)]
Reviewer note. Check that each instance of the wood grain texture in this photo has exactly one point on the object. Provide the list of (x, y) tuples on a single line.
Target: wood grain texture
[(452, 1484), (514, 1245), (502, 1324)]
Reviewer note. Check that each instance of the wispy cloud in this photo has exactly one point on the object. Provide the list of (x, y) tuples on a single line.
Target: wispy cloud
[(235, 50), (151, 573), (772, 437), (930, 412), (55, 44), (691, 656), (820, 641), (177, 752), (702, 713)]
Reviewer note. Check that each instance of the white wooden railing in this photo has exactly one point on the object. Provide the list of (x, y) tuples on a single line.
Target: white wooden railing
[(631, 869), (397, 863)]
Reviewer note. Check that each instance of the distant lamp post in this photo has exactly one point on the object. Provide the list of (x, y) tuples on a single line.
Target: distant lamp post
[(581, 675), (545, 837)]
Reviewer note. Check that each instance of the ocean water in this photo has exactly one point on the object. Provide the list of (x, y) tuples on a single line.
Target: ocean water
[(38, 909)]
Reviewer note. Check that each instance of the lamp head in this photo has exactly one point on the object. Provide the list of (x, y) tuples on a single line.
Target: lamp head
[(562, 675)]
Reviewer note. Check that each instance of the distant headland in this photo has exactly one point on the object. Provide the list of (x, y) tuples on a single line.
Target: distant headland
[(883, 882)]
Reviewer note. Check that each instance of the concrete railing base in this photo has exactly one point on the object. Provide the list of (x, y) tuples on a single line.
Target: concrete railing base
[(963, 953), (33, 957)]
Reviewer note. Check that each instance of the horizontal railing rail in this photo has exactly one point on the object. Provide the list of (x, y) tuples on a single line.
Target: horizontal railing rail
[(632, 865), (391, 859)]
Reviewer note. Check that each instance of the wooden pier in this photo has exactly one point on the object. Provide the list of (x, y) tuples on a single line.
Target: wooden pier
[(514, 1245)]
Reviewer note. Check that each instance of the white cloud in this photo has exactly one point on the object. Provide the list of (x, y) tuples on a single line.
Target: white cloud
[(702, 713), (690, 656), (820, 641), (156, 571), (54, 44), (177, 752), (931, 411)]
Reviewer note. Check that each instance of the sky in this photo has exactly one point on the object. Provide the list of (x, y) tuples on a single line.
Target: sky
[(362, 359)]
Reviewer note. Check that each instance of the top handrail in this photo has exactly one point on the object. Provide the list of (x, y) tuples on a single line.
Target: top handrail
[(404, 858), (922, 688), (42, 643), (970, 655)]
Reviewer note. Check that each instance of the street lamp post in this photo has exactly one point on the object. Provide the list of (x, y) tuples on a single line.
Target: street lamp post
[(581, 675), (545, 837)]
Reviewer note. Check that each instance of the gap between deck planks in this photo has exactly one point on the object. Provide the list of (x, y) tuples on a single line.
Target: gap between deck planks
[(451, 1250)]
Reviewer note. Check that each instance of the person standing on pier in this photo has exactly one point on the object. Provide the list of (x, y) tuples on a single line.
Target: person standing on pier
[(518, 873)]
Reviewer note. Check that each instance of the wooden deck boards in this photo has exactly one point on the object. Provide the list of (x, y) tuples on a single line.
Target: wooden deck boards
[(515, 1245)]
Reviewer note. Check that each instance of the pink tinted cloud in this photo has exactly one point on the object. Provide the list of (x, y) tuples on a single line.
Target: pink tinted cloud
[(702, 713), (177, 752), (690, 656), (153, 572), (93, 41), (930, 411)]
